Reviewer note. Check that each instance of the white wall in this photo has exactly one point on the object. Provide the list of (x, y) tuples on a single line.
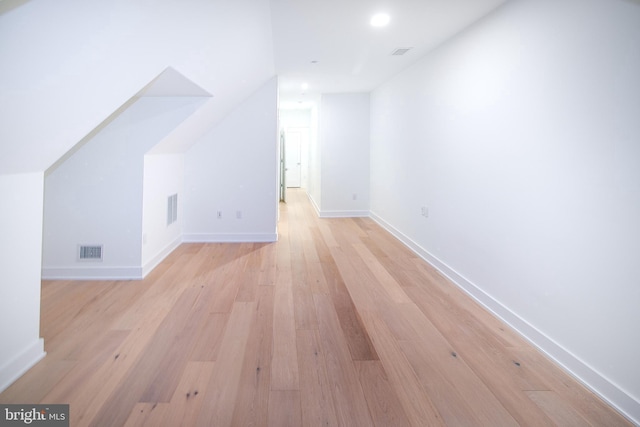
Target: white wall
[(96, 195), (66, 66), (234, 168), (521, 137), (315, 161), (295, 118), (163, 177), (344, 145), (20, 255)]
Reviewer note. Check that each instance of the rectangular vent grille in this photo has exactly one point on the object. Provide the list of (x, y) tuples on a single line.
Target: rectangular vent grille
[(172, 209), (400, 51), (93, 252)]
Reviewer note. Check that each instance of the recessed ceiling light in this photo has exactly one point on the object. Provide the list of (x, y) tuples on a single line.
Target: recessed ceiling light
[(380, 20), (304, 86)]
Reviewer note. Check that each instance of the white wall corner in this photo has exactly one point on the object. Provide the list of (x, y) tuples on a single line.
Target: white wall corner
[(313, 203), (156, 260), (570, 363), (25, 360), (337, 213), (20, 264)]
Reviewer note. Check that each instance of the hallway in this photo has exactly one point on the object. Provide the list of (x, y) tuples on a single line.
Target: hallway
[(335, 324)]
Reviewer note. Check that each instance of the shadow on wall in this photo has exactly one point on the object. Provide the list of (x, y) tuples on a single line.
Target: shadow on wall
[(8, 5)]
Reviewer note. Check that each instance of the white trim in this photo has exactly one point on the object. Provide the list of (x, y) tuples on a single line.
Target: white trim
[(91, 273), (588, 376), (313, 203), (16, 367), (344, 214), (138, 273), (229, 238), (337, 214), (153, 262)]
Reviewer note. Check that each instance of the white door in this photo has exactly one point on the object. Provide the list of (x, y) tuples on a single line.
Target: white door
[(293, 166)]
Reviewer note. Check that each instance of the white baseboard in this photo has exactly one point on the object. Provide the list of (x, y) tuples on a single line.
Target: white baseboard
[(572, 364), (91, 273), (344, 214), (229, 238), (25, 360), (337, 214), (313, 203), (138, 273), (153, 262)]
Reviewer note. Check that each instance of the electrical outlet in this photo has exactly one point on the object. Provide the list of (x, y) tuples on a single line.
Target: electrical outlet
[(425, 212), (239, 214), (355, 196), (219, 214)]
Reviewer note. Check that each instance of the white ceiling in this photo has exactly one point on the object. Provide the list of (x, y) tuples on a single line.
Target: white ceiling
[(351, 55)]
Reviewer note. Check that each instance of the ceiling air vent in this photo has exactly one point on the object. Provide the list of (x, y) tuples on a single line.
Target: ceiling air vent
[(90, 252), (401, 51)]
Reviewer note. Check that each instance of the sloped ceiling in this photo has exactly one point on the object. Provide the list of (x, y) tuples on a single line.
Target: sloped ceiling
[(172, 83), (69, 65), (168, 84)]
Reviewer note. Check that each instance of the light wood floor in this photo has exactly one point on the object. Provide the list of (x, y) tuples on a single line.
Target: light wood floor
[(336, 324)]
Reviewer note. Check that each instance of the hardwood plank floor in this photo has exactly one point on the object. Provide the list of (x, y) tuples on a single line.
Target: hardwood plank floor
[(336, 324)]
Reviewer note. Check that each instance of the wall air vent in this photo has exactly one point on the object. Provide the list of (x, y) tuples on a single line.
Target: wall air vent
[(172, 209), (401, 51), (90, 252)]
